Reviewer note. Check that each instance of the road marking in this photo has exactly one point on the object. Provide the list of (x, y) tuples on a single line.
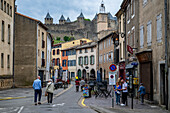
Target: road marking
[(61, 104), (21, 109), (9, 98), (82, 102)]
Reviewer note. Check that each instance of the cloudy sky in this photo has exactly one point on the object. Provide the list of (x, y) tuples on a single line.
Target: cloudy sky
[(69, 8)]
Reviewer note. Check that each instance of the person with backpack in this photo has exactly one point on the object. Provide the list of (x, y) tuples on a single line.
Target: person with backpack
[(142, 92), (50, 90)]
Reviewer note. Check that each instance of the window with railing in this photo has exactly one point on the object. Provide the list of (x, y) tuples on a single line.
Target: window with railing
[(86, 60)]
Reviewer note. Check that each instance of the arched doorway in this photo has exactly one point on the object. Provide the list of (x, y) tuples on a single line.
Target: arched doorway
[(101, 73), (79, 73), (84, 73), (92, 74)]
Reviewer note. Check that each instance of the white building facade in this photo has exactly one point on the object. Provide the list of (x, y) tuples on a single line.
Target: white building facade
[(86, 61)]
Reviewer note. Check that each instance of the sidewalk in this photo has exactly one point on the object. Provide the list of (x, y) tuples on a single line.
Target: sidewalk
[(104, 105), (18, 93)]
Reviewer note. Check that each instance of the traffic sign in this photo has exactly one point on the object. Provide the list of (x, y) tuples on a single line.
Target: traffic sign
[(112, 78), (112, 67)]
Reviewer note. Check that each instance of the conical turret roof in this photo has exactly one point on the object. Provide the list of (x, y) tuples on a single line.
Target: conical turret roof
[(62, 18), (81, 15), (68, 20), (48, 16)]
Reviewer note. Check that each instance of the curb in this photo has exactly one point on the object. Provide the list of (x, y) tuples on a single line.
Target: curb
[(81, 102), (62, 92), (100, 109), (10, 98)]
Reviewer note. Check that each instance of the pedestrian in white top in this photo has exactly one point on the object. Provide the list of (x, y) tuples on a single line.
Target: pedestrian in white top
[(124, 92), (50, 90)]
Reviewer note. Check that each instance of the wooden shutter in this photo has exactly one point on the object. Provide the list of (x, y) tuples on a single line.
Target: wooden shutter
[(141, 36)]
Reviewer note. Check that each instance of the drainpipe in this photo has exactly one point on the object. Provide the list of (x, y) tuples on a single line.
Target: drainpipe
[(166, 53), (13, 86), (37, 51)]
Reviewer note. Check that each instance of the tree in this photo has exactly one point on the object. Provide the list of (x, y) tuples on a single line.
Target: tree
[(66, 38), (58, 38)]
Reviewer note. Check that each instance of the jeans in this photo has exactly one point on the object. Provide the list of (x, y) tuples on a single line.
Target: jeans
[(77, 88), (50, 97), (124, 97), (37, 92), (142, 98), (117, 98)]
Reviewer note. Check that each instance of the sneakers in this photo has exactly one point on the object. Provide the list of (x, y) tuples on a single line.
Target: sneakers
[(39, 103), (35, 104), (122, 104)]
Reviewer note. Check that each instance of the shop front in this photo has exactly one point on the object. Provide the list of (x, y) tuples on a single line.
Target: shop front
[(146, 75)]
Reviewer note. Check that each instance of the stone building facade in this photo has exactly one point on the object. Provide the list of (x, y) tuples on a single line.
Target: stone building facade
[(30, 50), (121, 47), (101, 24), (105, 56), (6, 42), (148, 45), (151, 49)]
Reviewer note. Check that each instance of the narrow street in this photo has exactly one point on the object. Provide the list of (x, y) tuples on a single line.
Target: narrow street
[(65, 103)]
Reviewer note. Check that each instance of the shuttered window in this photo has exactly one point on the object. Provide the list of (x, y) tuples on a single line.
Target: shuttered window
[(141, 36), (111, 55), (104, 57), (159, 28), (149, 33)]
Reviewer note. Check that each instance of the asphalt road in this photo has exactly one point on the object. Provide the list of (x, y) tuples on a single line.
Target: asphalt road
[(65, 103)]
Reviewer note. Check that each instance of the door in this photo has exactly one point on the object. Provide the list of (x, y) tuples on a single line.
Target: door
[(41, 74), (162, 84), (146, 77)]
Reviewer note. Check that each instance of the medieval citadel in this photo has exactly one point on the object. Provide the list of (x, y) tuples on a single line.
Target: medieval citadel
[(101, 25)]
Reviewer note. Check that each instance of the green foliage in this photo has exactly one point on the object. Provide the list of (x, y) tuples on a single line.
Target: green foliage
[(87, 19), (66, 38), (72, 38), (58, 38), (58, 41)]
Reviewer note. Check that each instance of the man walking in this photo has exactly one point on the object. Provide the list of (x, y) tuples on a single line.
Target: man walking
[(142, 92), (37, 90), (124, 92)]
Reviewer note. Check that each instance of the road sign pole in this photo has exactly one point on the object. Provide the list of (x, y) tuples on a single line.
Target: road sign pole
[(112, 97)]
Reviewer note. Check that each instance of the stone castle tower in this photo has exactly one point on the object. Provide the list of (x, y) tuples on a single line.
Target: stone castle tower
[(102, 24)]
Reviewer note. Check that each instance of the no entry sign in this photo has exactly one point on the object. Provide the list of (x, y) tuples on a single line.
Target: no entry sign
[(112, 67)]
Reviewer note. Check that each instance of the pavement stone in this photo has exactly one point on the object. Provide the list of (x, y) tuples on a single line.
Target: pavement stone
[(104, 105)]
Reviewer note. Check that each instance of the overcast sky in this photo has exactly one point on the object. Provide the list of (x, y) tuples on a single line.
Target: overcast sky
[(69, 8)]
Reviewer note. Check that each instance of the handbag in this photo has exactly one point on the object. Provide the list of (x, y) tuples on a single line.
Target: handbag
[(46, 94)]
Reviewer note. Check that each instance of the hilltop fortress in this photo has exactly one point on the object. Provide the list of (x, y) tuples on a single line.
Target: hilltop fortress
[(101, 25)]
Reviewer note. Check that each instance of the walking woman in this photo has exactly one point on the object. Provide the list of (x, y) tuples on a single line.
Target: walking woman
[(117, 89), (50, 91)]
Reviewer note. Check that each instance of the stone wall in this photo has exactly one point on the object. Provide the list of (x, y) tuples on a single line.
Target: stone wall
[(77, 29), (25, 50), (6, 82)]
